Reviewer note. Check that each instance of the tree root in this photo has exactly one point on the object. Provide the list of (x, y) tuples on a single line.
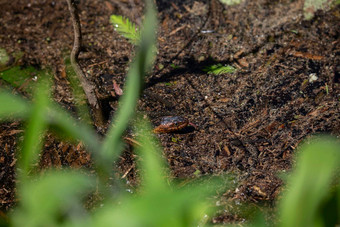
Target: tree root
[(87, 85)]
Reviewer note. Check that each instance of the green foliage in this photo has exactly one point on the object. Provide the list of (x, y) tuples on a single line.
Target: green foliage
[(112, 144), (35, 128), (126, 28), (160, 208), (12, 107), (219, 69), (311, 183)]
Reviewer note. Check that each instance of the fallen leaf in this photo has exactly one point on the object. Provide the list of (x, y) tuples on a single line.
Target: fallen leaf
[(108, 5), (117, 89), (226, 150)]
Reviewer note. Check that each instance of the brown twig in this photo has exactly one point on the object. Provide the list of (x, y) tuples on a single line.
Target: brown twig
[(88, 86), (128, 171)]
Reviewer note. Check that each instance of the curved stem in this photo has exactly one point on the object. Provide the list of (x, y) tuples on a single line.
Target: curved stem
[(88, 86)]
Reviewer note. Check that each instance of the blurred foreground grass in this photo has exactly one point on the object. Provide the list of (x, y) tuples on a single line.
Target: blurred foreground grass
[(56, 197)]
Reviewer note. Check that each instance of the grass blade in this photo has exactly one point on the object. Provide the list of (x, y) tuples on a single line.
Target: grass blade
[(35, 129), (112, 145), (152, 164)]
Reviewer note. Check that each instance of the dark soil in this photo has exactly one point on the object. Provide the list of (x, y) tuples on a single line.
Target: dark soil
[(249, 122)]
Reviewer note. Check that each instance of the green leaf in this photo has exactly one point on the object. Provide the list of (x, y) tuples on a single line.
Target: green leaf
[(317, 164), (112, 145), (174, 66), (154, 168), (52, 200), (125, 28), (35, 129), (166, 208), (12, 107), (219, 69)]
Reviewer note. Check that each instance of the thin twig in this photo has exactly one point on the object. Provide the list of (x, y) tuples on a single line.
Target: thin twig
[(88, 86), (128, 171)]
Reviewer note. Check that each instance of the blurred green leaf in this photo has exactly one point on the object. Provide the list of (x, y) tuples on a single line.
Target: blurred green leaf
[(329, 210), (258, 221), (153, 166), (162, 208), (317, 164), (12, 107), (35, 129), (52, 200), (112, 144)]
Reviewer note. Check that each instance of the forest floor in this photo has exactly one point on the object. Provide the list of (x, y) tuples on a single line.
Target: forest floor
[(286, 86)]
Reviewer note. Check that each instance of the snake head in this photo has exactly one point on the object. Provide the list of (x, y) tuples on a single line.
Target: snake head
[(171, 124)]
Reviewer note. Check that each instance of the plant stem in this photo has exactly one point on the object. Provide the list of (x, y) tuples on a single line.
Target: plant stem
[(88, 86)]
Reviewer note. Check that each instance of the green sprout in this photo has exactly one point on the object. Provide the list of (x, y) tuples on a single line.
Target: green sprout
[(126, 28), (219, 69)]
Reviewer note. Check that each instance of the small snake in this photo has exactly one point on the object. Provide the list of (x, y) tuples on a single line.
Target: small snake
[(171, 124)]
